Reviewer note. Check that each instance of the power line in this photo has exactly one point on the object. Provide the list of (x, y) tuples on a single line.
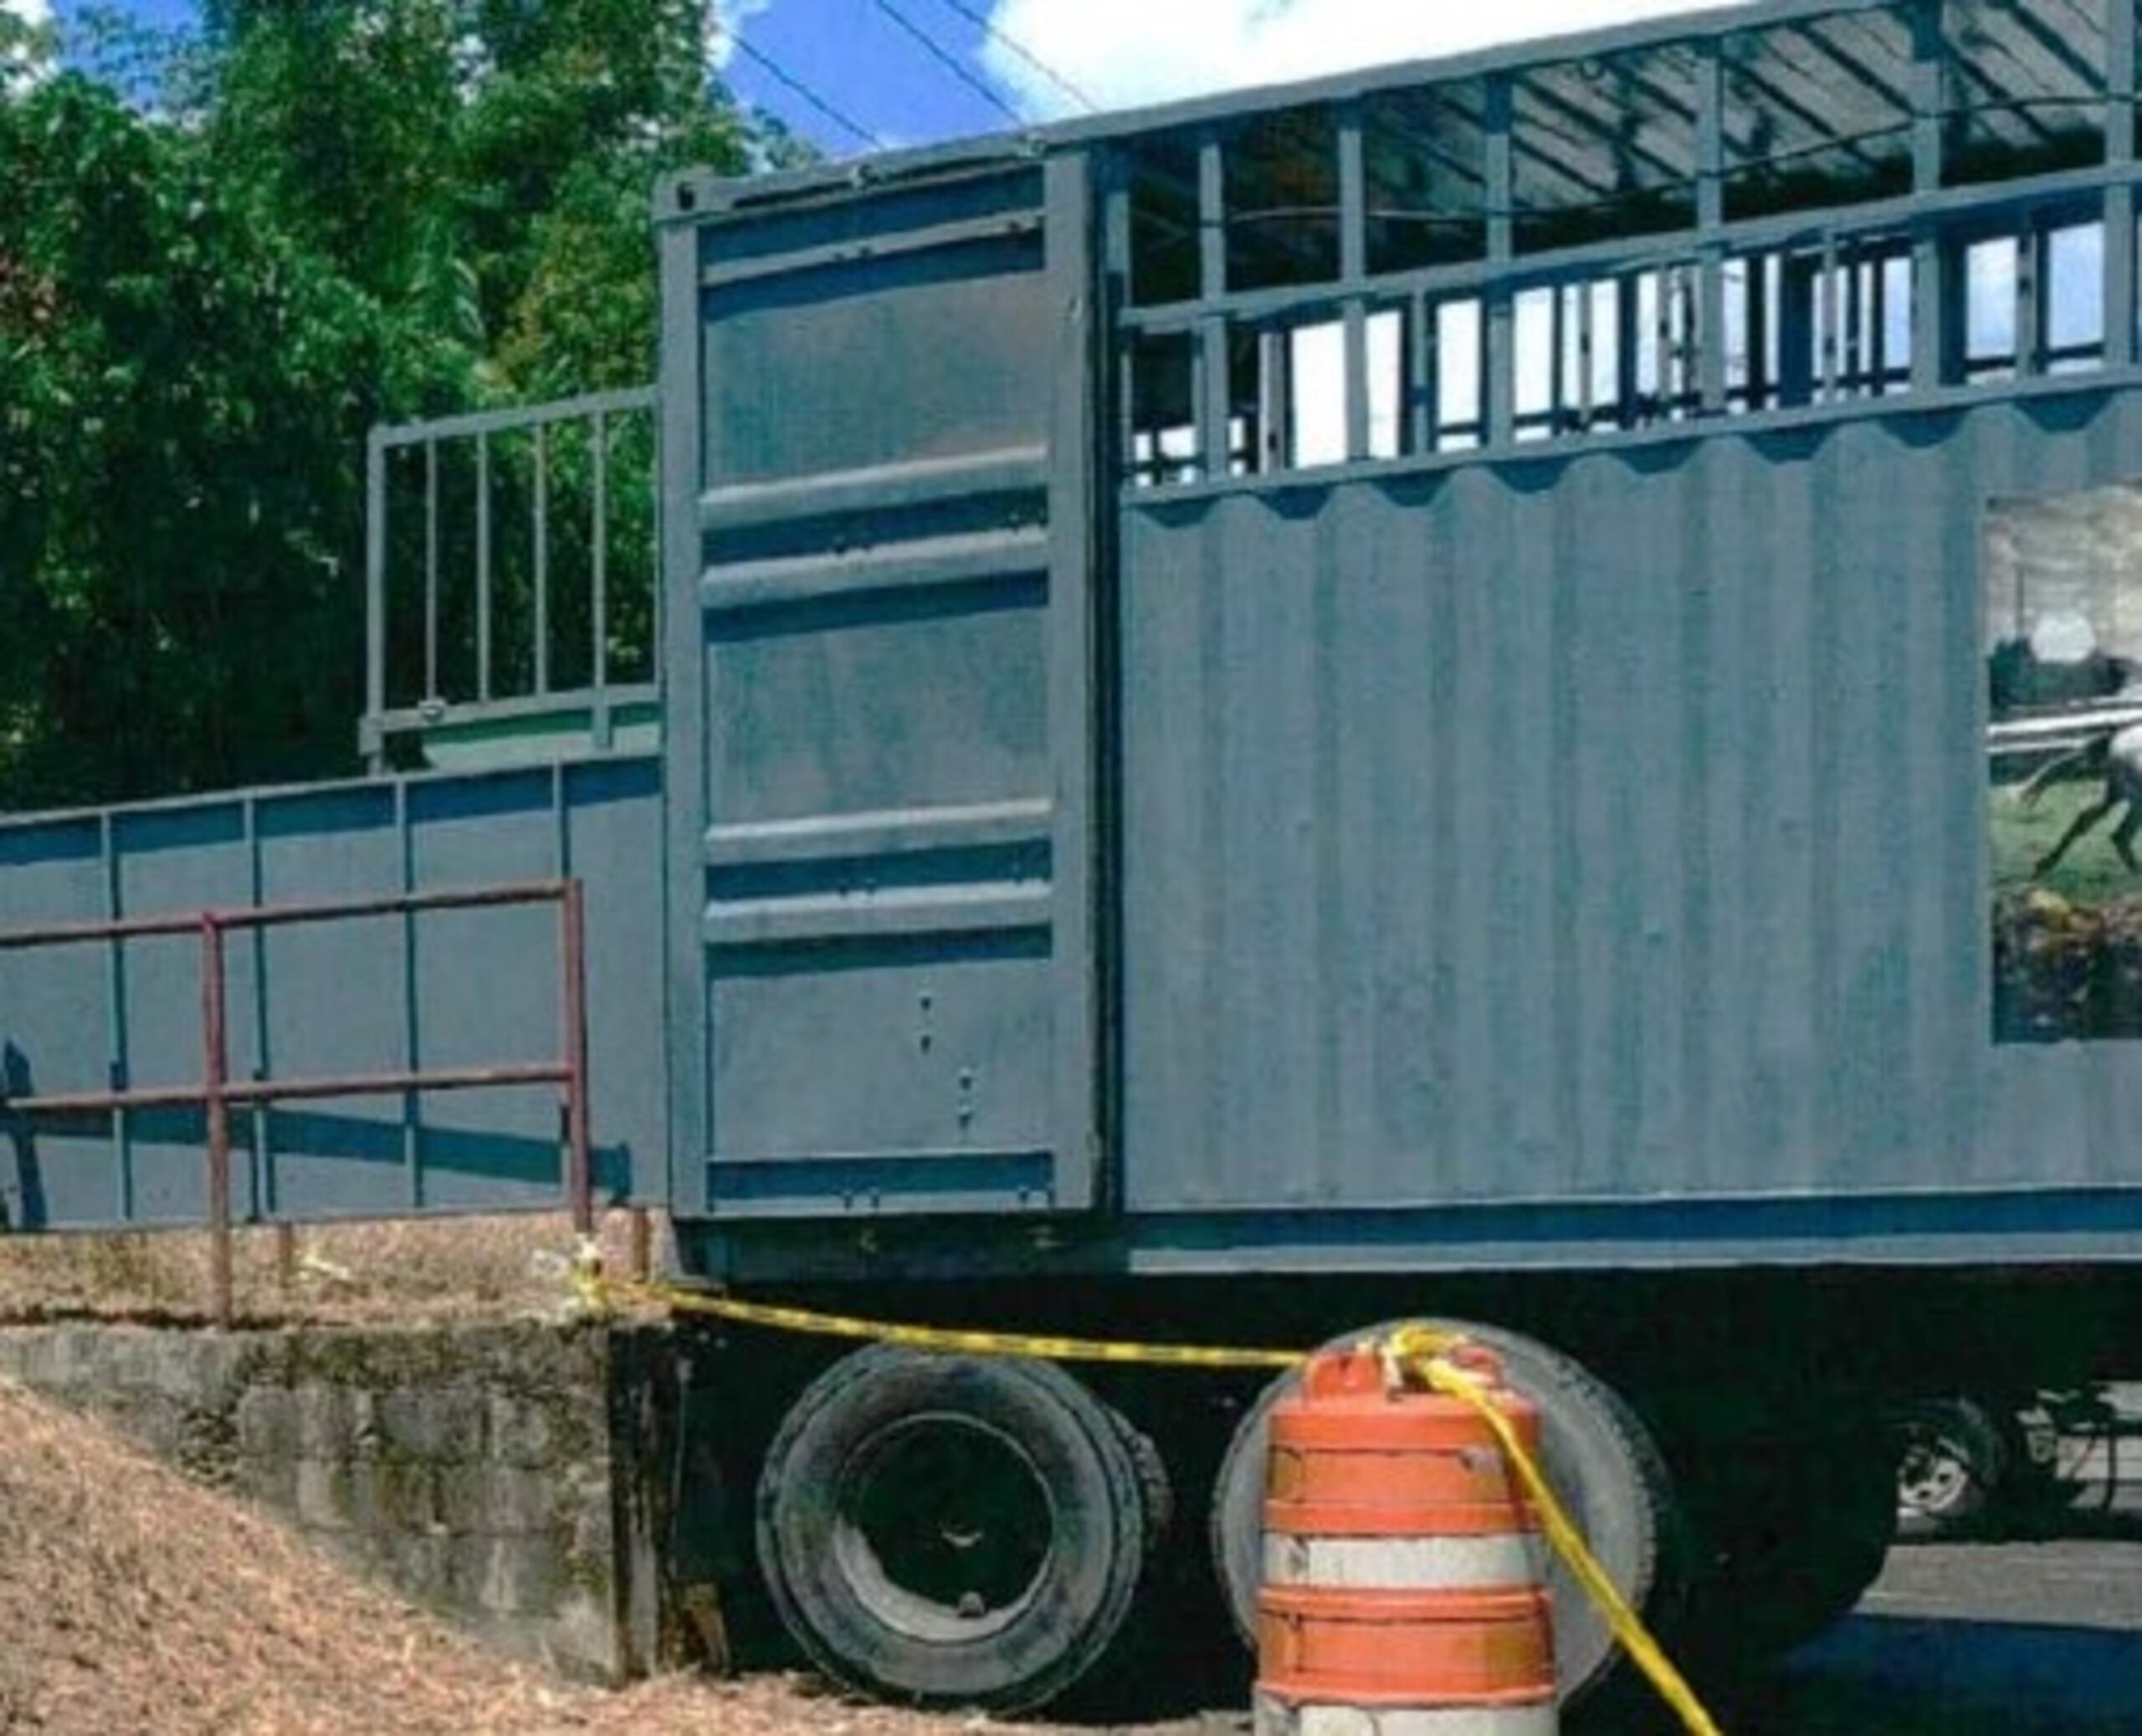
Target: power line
[(951, 62), (997, 34), (774, 68)]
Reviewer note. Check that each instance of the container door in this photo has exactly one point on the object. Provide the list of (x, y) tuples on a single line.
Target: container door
[(880, 674)]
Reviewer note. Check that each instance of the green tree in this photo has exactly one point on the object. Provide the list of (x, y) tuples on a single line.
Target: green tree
[(335, 213)]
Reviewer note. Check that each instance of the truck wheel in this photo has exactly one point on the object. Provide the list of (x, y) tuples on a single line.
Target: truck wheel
[(953, 1530), (1950, 1460), (1800, 1525), (1598, 1455)]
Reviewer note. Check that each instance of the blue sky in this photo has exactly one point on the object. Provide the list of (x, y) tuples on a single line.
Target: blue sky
[(856, 57)]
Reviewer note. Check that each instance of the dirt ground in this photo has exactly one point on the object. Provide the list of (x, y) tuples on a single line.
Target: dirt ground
[(131, 1599)]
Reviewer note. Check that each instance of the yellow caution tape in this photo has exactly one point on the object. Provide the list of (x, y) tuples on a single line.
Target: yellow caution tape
[(1416, 1348), (599, 1294), (1453, 1382)]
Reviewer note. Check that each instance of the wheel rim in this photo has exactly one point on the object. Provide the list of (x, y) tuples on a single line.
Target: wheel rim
[(1933, 1477), (944, 1529)]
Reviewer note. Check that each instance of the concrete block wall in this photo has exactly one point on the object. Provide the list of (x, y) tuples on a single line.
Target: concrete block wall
[(514, 1478)]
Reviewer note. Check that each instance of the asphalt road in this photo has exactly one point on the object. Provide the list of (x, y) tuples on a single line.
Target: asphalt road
[(2026, 1639), (1973, 1640)]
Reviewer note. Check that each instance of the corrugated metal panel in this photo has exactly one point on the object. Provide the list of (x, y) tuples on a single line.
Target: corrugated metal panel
[(1604, 826), (336, 999), (879, 700)]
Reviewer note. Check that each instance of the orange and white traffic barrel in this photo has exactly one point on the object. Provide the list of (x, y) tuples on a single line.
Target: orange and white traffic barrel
[(1403, 1591)]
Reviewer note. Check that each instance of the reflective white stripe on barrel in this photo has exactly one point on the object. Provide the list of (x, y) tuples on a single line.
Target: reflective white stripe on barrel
[(1275, 1717), (1429, 1563)]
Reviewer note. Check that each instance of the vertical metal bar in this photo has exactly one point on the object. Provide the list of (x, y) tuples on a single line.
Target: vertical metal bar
[(1852, 370), (371, 742), (1557, 357), (286, 1256), (1275, 399), (2120, 313), (1932, 252), (688, 467), (2030, 308), (1357, 381), (1215, 398), (1709, 334), (1628, 339), (265, 1200), (413, 1102), (580, 1183), (482, 566), (1423, 384), (121, 1066), (431, 570), (1353, 197), (643, 1245), (542, 529), (1115, 280), (599, 611), (216, 1066), (657, 616), (1587, 339), (1877, 323), (1662, 336), (1353, 269), (1498, 309), (1830, 347)]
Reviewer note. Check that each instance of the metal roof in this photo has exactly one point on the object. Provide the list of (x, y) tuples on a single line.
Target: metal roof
[(1812, 89)]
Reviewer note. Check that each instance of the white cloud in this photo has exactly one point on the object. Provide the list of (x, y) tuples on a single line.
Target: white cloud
[(725, 20), (30, 11), (1123, 53)]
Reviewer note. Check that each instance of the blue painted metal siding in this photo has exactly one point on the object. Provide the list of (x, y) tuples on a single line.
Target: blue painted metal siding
[(376, 994), (880, 691), (1603, 825)]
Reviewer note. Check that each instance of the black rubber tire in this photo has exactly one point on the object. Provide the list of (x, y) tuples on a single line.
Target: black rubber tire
[(1972, 1454), (1600, 1459), (1806, 1535), (1084, 1518)]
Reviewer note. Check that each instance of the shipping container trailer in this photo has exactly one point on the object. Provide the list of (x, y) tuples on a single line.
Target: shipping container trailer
[(1500, 689)]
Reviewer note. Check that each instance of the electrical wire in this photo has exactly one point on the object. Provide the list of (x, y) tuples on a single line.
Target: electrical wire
[(780, 72), (997, 34), (951, 62)]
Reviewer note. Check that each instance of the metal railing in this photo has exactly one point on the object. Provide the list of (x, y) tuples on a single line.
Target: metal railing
[(422, 677), (217, 1092)]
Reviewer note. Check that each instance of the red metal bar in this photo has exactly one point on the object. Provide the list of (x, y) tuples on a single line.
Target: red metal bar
[(216, 1047), (264, 916), (241, 1091), (218, 1092), (579, 1177), (477, 897)]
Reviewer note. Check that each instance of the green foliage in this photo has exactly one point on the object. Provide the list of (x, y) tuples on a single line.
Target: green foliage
[(330, 212)]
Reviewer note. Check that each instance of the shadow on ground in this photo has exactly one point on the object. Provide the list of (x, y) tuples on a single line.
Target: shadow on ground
[(1885, 1676)]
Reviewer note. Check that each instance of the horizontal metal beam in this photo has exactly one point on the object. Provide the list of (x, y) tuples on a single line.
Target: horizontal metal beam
[(267, 1091), (878, 488), (730, 273), (943, 563), (267, 916), (842, 837), (498, 421), (1899, 216), (901, 914)]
